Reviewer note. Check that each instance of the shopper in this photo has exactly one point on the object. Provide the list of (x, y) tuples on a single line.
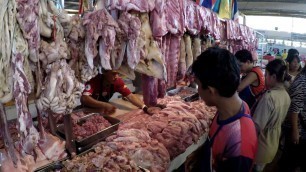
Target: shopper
[(284, 54), (252, 83), (294, 153), (232, 137), (270, 112), (294, 68), (292, 52), (101, 88)]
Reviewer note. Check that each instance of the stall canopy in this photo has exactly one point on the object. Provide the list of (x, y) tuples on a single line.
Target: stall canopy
[(287, 8)]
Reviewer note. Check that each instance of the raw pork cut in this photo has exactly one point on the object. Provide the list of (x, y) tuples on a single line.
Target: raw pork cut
[(158, 19), (162, 88), (192, 21), (189, 57), (196, 48), (146, 152), (103, 158), (76, 43), (127, 5), (91, 126), (171, 50), (182, 62), (27, 17), (173, 58), (177, 126), (6, 136), (61, 89), (175, 16), (29, 135), (99, 25), (51, 52), (130, 24), (118, 52), (149, 87)]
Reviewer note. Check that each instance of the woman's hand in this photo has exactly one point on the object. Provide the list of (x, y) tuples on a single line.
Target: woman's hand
[(295, 135)]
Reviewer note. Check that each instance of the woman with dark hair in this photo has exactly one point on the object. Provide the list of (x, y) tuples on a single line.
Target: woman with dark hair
[(294, 67), (292, 52), (294, 154), (270, 112)]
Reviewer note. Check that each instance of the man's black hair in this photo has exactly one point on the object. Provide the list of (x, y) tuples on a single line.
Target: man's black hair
[(244, 56), (218, 68)]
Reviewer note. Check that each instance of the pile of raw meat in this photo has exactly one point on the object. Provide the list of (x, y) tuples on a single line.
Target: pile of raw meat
[(91, 126), (177, 126), (145, 151), (152, 141), (103, 158), (76, 116)]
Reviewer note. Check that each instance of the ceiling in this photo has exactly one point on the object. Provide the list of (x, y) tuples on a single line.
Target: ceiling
[(287, 8), (71, 6)]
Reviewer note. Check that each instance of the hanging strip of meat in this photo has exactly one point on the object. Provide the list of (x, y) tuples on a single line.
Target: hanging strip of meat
[(149, 87), (8, 141), (28, 133)]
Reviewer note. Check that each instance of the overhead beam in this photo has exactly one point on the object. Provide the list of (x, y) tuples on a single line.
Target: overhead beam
[(262, 6), (274, 13), (272, 8), (275, 1)]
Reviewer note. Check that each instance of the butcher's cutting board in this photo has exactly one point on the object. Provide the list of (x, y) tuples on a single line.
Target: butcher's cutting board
[(123, 106)]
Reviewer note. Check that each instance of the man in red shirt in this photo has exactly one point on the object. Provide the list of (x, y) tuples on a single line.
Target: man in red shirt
[(101, 88)]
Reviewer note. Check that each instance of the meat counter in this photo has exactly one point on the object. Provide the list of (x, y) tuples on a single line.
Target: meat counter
[(130, 114), (124, 107)]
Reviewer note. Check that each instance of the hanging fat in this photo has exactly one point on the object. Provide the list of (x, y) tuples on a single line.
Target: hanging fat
[(196, 48), (182, 61), (189, 57), (151, 62)]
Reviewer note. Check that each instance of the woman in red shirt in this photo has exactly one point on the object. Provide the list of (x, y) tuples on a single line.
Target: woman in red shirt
[(253, 81)]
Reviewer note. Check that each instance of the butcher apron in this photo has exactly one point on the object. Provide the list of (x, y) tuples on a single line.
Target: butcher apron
[(204, 154)]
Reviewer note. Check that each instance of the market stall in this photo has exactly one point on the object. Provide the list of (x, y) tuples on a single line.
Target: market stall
[(51, 55)]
